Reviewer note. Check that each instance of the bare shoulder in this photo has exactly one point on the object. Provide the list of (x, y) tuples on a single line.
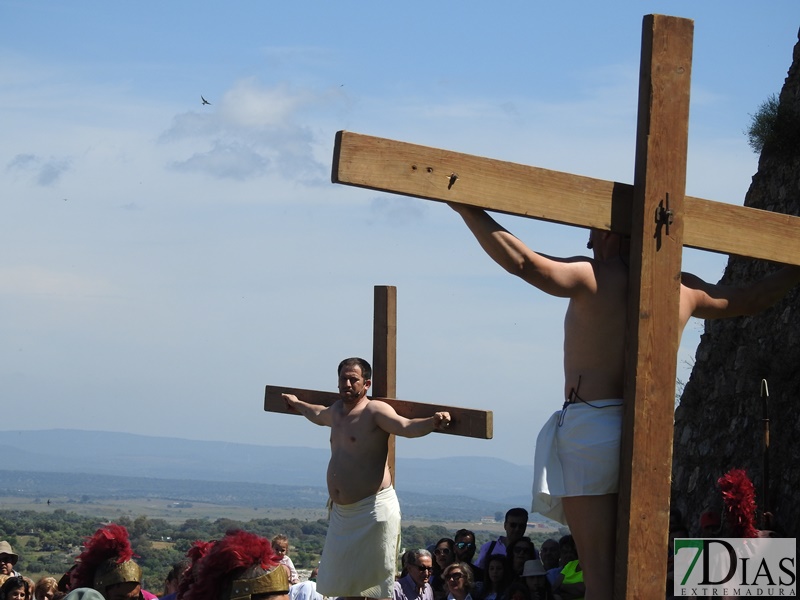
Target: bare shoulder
[(704, 300), (564, 277), (593, 274), (691, 292), (692, 281), (383, 415), (379, 407), (695, 289)]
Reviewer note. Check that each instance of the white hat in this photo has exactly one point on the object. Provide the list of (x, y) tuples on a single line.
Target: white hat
[(533, 568)]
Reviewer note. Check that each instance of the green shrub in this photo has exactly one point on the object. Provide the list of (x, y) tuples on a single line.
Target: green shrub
[(763, 127), (774, 129)]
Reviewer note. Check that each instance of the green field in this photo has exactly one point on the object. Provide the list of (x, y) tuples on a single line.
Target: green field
[(158, 509), (164, 509)]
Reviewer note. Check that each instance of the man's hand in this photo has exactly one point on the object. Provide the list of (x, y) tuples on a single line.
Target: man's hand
[(441, 420), (315, 413), (291, 401)]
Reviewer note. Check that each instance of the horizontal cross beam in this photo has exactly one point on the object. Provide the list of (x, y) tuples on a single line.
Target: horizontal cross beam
[(465, 422), (434, 174)]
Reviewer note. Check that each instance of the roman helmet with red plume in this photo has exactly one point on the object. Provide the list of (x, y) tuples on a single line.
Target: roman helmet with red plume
[(198, 550), (107, 559), (239, 566), (739, 496)]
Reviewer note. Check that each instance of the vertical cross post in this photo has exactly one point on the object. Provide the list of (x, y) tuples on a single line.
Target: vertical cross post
[(468, 422), (652, 211), (384, 353), (653, 302)]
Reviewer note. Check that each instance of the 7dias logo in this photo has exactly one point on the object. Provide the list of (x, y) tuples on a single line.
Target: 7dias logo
[(749, 567)]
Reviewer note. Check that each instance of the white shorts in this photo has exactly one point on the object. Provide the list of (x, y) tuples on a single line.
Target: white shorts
[(577, 454)]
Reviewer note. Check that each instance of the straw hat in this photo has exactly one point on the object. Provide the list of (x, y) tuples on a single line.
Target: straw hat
[(5, 548)]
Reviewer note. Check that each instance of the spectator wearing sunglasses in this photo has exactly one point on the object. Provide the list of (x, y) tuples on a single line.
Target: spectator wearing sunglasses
[(519, 553), (465, 551), (415, 584), (515, 524), (459, 582), (443, 556), (8, 558)]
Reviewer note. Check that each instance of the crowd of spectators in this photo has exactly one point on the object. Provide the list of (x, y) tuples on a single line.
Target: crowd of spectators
[(507, 568), (510, 567)]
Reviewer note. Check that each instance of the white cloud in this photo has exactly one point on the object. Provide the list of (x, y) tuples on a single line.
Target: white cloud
[(394, 211), (31, 280), (226, 161), (250, 106), (253, 130), (45, 171)]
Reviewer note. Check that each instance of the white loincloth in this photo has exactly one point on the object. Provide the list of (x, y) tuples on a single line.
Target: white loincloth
[(577, 454), (360, 553)]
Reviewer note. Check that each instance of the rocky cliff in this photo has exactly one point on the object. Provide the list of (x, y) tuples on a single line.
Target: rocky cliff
[(719, 421)]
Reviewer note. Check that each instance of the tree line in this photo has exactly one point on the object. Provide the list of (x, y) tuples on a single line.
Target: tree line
[(48, 543)]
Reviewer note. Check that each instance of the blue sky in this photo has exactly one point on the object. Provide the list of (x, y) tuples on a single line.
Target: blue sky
[(161, 261)]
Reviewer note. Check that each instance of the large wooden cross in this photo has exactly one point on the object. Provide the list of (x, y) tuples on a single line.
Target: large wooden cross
[(659, 219), (464, 421)]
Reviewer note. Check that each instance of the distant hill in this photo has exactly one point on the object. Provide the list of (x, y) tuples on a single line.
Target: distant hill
[(119, 464)]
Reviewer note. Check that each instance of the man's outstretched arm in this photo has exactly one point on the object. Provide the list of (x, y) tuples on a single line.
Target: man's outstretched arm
[(711, 301), (316, 413), (387, 419), (554, 276)]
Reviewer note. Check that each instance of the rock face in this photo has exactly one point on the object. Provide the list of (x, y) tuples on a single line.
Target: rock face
[(718, 424)]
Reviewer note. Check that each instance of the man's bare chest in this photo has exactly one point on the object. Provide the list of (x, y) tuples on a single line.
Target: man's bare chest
[(355, 430)]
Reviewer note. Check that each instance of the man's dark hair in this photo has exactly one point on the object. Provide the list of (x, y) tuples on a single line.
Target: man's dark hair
[(567, 542), (177, 569), (464, 533), (517, 512), (366, 370)]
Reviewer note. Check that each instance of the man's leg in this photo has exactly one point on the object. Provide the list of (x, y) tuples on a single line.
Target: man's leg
[(592, 521)]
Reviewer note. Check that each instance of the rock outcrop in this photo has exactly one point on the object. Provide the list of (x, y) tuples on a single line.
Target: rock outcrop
[(719, 421)]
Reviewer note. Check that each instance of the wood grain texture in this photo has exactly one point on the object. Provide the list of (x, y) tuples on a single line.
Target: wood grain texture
[(384, 355), (653, 330), (466, 422), (511, 188)]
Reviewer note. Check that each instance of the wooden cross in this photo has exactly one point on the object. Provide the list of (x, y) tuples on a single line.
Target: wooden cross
[(463, 421), (659, 219)]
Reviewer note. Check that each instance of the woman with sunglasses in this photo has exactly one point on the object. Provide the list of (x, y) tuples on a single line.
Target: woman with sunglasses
[(458, 580), (518, 554), (443, 556)]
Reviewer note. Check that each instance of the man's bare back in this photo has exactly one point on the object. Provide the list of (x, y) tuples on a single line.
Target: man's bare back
[(597, 288), (594, 353), (594, 326)]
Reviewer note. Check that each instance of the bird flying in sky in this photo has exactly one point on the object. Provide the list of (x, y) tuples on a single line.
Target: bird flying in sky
[(205, 101)]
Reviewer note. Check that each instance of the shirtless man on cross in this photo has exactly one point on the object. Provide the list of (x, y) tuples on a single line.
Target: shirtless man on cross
[(576, 465), (361, 546)]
